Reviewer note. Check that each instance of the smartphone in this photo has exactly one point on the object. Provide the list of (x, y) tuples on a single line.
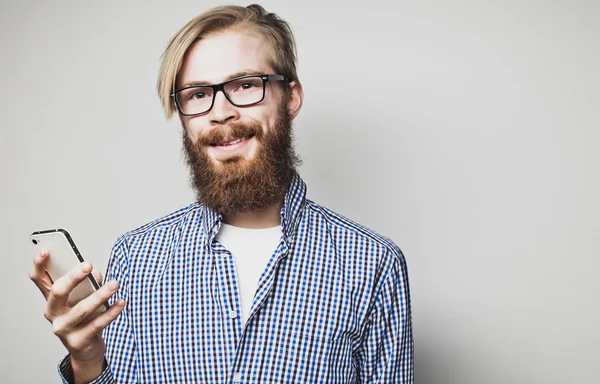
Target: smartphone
[(64, 256)]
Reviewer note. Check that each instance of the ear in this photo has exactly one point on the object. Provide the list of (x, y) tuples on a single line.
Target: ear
[(295, 100)]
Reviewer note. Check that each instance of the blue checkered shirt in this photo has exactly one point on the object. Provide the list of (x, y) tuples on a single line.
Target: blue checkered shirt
[(332, 305)]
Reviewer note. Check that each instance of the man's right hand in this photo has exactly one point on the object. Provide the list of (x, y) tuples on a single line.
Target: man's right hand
[(78, 327)]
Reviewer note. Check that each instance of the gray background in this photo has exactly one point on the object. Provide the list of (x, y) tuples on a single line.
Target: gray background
[(466, 131)]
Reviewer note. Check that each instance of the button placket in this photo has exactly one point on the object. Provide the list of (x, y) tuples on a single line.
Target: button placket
[(226, 288)]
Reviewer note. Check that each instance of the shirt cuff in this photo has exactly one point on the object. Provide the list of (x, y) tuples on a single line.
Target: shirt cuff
[(66, 373)]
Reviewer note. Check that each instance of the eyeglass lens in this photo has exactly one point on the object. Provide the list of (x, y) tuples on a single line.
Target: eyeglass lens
[(240, 92)]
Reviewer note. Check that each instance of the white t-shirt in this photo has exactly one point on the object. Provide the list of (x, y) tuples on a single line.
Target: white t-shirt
[(251, 249)]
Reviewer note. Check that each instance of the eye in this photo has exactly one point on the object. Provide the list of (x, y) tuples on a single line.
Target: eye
[(246, 86), (197, 95)]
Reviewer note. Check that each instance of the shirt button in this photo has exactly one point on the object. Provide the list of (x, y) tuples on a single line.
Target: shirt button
[(232, 314), (237, 377)]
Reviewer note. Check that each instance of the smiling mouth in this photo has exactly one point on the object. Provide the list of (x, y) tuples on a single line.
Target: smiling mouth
[(230, 141)]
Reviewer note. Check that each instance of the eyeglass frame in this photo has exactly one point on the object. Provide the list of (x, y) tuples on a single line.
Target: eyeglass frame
[(221, 87)]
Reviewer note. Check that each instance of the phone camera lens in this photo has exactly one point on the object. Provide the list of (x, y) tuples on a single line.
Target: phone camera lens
[(34, 241)]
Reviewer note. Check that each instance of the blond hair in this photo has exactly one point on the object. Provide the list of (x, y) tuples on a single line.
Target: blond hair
[(253, 17)]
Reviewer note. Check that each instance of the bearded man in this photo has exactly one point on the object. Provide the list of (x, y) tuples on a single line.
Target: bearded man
[(253, 283)]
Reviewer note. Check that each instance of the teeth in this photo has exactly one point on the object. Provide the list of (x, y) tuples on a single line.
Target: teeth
[(231, 142)]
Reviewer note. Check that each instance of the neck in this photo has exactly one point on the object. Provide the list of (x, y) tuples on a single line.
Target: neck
[(266, 217)]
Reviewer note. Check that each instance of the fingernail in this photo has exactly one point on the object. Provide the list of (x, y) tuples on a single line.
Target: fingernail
[(85, 267), (112, 285), (43, 253)]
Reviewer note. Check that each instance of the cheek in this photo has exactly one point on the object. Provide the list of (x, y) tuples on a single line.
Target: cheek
[(273, 106), (266, 116), (193, 127), (260, 116)]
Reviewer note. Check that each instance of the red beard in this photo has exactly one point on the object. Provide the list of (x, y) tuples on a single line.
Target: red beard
[(240, 185)]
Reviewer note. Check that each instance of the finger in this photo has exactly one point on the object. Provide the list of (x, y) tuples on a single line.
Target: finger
[(97, 275), (37, 272), (59, 294), (92, 317), (82, 311), (94, 327)]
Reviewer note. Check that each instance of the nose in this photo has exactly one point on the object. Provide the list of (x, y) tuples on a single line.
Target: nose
[(222, 111)]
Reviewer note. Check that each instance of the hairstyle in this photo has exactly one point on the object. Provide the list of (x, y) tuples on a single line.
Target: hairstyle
[(251, 18)]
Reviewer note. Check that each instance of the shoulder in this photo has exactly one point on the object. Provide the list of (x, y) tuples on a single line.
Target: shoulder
[(344, 229), (183, 217)]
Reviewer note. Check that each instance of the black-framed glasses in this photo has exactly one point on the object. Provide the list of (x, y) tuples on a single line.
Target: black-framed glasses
[(242, 92)]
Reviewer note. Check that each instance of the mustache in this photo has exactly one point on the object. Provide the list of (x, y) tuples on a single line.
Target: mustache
[(235, 130)]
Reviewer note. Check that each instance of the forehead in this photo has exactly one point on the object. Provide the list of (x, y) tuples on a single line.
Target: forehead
[(218, 55)]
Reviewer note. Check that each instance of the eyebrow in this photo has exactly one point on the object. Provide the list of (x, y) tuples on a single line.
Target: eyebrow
[(246, 72)]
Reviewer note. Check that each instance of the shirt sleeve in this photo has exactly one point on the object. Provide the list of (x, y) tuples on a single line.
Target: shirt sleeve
[(386, 353), (66, 373), (118, 336)]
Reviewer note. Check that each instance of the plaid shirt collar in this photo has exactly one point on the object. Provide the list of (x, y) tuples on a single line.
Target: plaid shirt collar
[(293, 204)]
